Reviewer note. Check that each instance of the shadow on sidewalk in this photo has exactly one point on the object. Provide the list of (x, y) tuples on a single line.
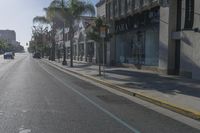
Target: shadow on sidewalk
[(82, 65), (153, 81)]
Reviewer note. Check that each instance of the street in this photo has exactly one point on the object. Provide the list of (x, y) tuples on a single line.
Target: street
[(37, 98)]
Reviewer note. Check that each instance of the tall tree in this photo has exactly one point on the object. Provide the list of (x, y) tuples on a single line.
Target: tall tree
[(93, 33), (48, 20), (70, 11), (39, 39)]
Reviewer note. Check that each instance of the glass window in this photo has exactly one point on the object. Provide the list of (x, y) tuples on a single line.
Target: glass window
[(111, 10), (116, 8), (122, 7), (138, 47), (129, 5), (137, 4)]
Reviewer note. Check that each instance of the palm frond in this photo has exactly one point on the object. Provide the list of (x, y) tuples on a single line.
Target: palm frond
[(55, 3), (89, 9), (82, 8), (60, 13), (40, 19)]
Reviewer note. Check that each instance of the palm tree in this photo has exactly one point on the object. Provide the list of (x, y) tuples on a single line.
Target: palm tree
[(70, 11)]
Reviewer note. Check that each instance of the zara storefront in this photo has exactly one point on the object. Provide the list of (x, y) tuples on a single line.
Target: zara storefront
[(137, 39)]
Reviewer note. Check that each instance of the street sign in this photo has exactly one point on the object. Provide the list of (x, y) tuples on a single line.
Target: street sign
[(103, 32)]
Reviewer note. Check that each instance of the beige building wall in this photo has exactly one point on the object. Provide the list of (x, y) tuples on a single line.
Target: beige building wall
[(190, 46), (166, 43)]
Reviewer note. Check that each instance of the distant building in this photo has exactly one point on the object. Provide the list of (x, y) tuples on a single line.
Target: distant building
[(101, 8), (84, 48), (9, 36)]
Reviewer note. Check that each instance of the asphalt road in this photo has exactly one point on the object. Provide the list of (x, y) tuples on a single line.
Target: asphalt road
[(36, 98)]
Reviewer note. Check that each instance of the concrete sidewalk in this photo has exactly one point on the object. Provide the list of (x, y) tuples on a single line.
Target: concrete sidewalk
[(175, 93)]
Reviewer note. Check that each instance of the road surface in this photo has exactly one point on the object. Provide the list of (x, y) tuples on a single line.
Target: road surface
[(36, 98)]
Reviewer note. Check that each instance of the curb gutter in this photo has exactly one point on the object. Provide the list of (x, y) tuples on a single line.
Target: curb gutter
[(181, 110)]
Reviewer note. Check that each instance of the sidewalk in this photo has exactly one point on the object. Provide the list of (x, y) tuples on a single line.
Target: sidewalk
[(175, 93)]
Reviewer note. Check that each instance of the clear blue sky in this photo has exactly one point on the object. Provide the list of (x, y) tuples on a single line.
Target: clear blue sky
[(18, 14)]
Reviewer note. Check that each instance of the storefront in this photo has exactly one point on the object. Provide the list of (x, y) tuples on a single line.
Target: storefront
[(90, 51), (137, 39), (81, 51)]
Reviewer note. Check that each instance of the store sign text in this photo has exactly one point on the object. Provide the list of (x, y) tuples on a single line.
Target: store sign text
[(121, 27)]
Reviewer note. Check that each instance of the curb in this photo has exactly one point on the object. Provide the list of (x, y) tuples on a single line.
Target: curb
[(181, 110)]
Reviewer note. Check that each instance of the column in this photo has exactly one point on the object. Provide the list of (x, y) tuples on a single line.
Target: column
[(108, 53), (168, 16), (94, 59), (85, 50), (77, 51)]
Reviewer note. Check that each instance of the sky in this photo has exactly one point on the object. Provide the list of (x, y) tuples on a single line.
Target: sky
[(18, 15)]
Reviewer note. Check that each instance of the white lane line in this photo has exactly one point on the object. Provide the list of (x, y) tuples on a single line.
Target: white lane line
[(95, 104), (25, 131), (22, 130), (47, 101)]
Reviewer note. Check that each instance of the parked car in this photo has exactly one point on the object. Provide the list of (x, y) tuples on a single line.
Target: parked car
[(37, 55), (8, 55)]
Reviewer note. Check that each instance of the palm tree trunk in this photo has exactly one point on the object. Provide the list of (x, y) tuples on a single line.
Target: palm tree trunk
[(71, 52), (53, 50), (71, 45), (64, 56), (53, 42), (99, 58), (64, 48)]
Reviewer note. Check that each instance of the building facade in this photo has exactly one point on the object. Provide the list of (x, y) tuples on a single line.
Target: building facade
[(190, 39), (179, 38), (155, 34), (135, 32), (84, 49)]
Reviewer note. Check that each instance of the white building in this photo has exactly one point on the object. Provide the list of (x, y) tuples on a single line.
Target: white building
[(101, 8), (84, 48)]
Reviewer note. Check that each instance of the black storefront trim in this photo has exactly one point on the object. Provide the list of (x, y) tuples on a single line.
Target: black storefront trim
[(138, 21), (189, 14)]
